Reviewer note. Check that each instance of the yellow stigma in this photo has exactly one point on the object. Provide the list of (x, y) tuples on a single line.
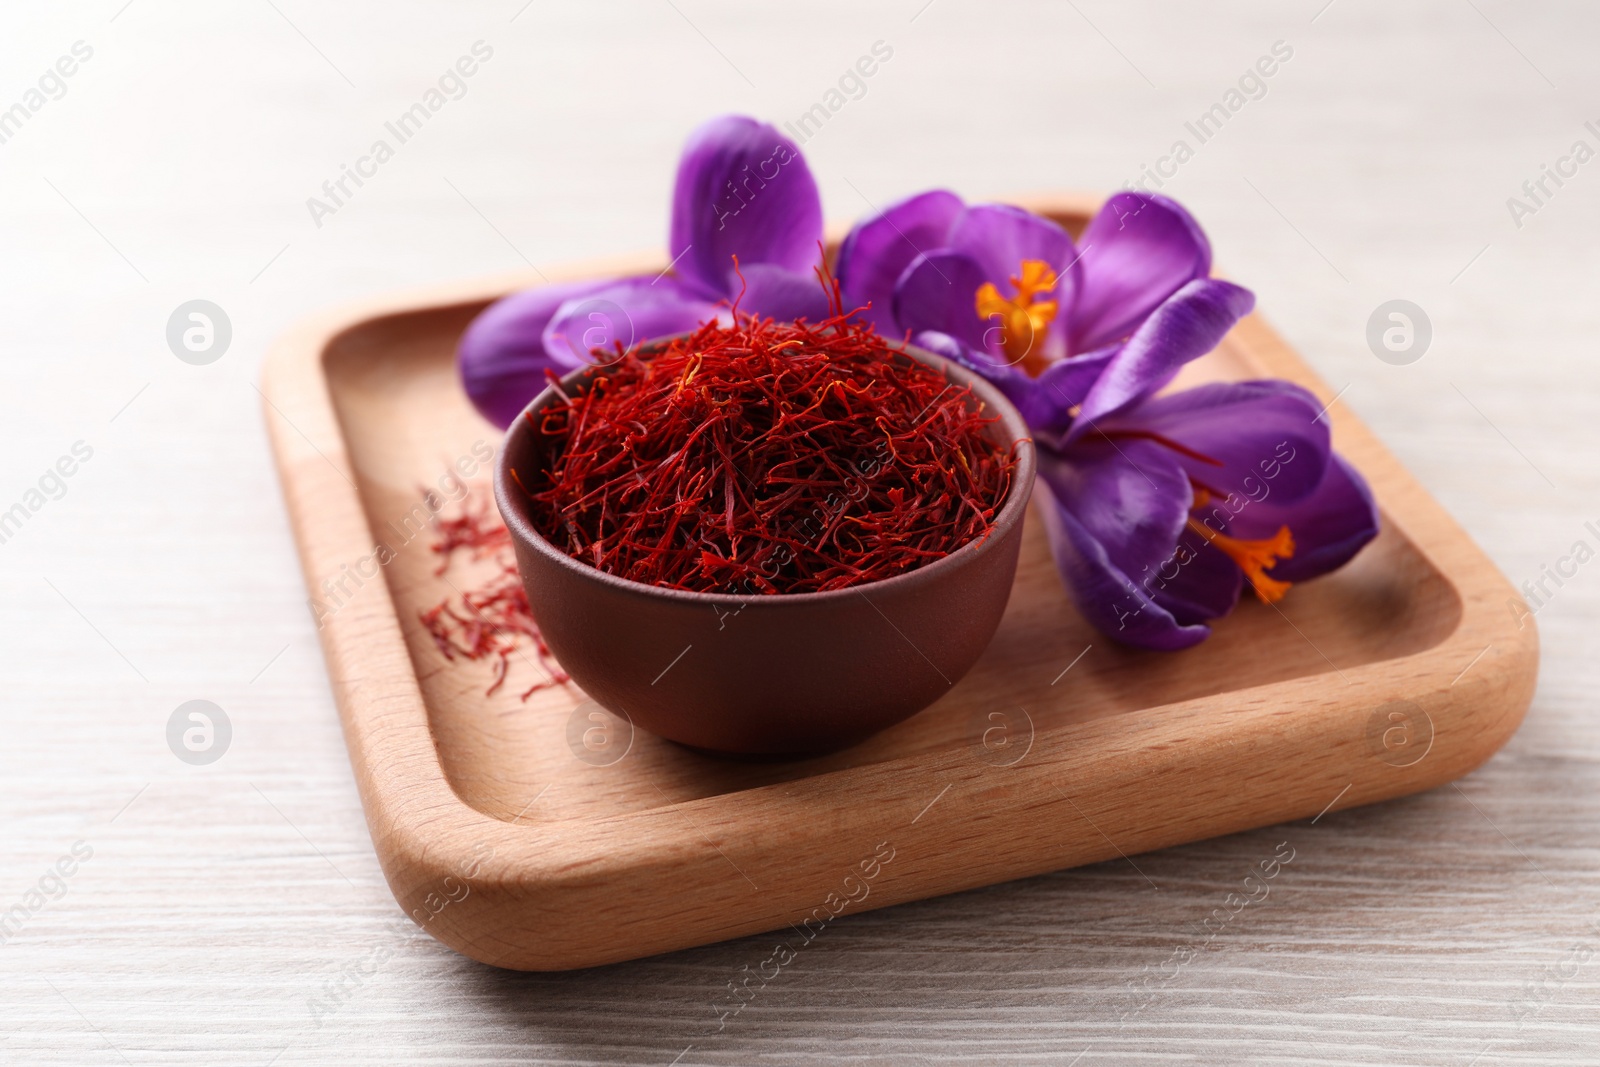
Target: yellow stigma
[(1254, 557), (1023, 318)]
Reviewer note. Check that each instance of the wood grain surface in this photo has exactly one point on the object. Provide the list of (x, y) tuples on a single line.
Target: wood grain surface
[(235, 912)]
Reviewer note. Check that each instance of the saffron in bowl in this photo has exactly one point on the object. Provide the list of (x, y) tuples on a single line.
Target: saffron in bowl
[(767, 539), (767, 458)]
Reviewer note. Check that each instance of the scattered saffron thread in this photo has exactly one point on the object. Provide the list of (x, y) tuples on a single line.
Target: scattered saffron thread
[(492, 620)]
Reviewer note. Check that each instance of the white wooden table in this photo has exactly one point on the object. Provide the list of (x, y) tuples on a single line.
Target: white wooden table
[(233, 912)]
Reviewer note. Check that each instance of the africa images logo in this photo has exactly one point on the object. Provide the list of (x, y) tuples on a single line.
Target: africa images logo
[(199, 732), (51, 887), (407, 125), (52, 485), (51, 85)]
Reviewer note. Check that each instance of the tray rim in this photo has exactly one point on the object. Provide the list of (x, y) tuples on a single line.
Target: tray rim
[(532, 889)]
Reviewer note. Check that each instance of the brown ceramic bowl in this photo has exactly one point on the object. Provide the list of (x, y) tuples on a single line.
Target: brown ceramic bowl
[(779, 675)]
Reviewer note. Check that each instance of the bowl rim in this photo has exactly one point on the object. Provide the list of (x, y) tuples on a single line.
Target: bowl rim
[(1010, 514)]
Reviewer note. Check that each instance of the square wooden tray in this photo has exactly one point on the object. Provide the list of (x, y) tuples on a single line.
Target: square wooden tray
[(512, 839)]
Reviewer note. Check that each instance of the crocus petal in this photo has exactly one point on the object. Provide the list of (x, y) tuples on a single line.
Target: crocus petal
[(1264, 436), (1130, 496), (502, 355), (938, 292), (1198, 583), (1046, 403), (1185, 327), (1139, 250), (742, 189), (627, 311), (1060, 388), (876, 252), (1000, 237), (1101, 591), (1016, 386), (776, 293), (974, 359), (1330, 524)]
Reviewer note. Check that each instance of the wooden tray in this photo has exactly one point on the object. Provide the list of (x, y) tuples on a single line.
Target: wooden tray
[(512, 842)]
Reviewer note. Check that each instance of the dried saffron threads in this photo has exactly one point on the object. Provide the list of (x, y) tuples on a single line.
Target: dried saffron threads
[(767, 457), (492, 619)]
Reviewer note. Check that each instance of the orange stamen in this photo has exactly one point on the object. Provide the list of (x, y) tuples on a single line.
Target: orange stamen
[(1255, 558), (1023, 318)]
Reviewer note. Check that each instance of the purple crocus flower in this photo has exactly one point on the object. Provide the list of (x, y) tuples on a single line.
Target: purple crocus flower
[(1030, 308), (742, 190), (1159, 507)]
